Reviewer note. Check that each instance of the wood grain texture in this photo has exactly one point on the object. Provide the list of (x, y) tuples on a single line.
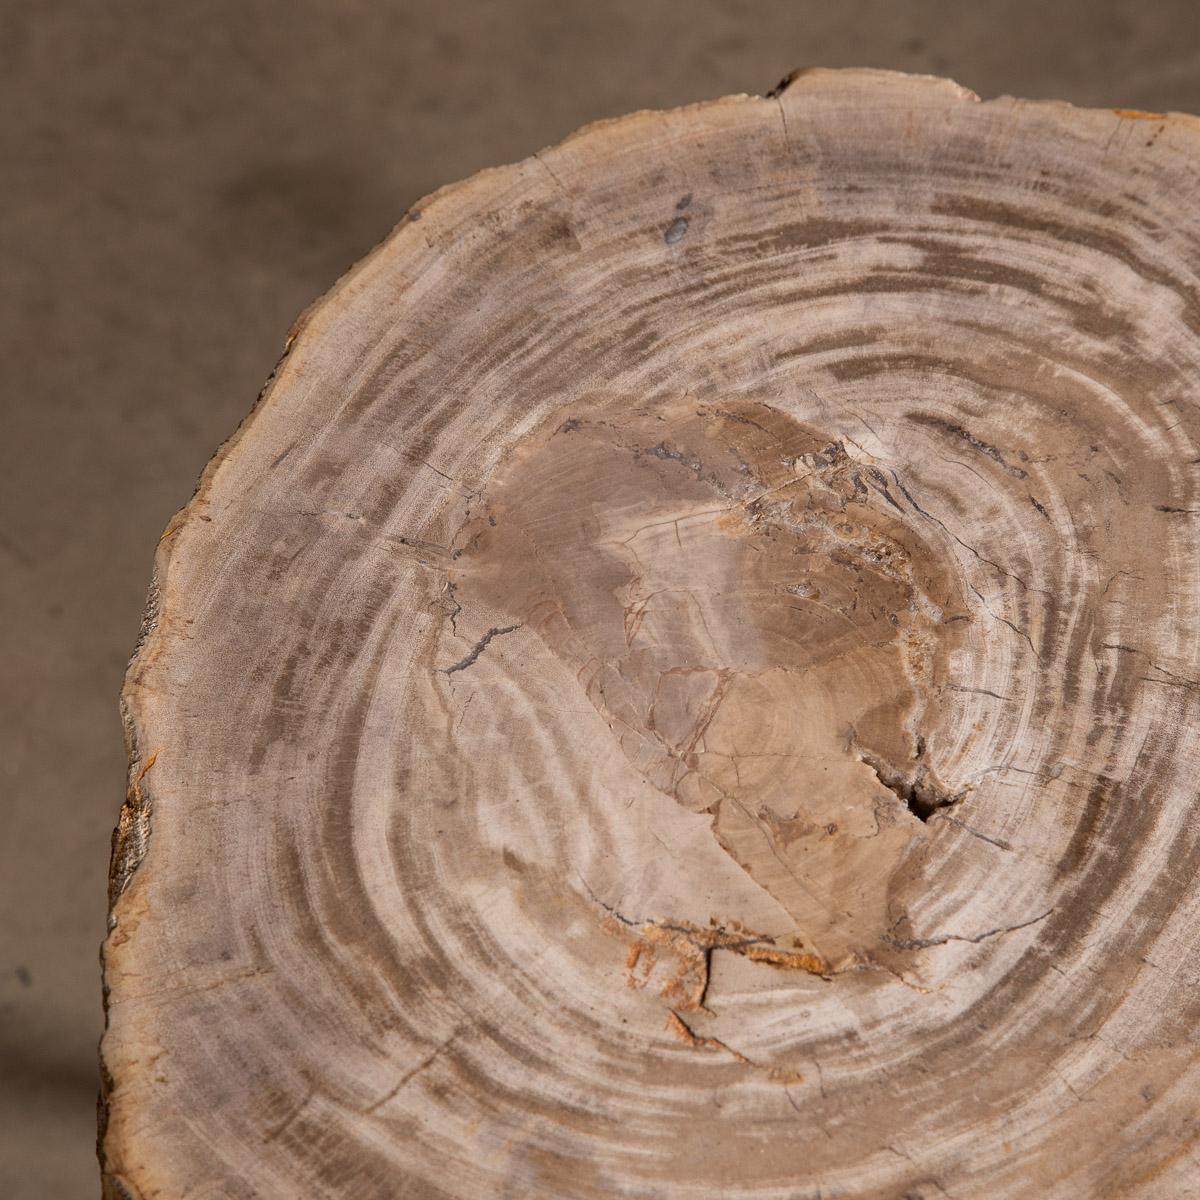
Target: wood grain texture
[(685, 686)]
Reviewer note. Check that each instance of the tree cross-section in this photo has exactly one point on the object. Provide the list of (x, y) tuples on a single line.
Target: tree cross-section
[(686, 685)]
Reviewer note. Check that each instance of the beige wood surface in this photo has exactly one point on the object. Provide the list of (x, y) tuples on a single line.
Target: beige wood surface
[(685, 685)]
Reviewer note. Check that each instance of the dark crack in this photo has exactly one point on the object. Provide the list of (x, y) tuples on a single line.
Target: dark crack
[(973, 691), (965, 545), (942, 938), (413, 1072), (479, 647), (977, 444), (921, 796), (983, 837)]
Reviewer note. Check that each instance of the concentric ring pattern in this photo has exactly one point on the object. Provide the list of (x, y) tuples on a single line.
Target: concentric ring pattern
[(685, 685)]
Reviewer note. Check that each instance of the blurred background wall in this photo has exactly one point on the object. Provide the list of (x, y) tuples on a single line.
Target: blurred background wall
[(177, 181)]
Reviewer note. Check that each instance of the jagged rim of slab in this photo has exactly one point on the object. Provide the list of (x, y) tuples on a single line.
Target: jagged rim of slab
[(131, 837)]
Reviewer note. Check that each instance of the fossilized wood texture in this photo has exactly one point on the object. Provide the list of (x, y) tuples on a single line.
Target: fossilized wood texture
[(684, 687)]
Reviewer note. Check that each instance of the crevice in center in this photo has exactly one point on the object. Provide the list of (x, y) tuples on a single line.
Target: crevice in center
[(921, 795)]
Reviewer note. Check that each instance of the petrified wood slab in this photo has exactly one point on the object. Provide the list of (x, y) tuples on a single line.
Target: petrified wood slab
[(685, 685)]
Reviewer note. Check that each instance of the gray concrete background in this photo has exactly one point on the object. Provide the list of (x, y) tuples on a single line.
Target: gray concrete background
[(177, 181)]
